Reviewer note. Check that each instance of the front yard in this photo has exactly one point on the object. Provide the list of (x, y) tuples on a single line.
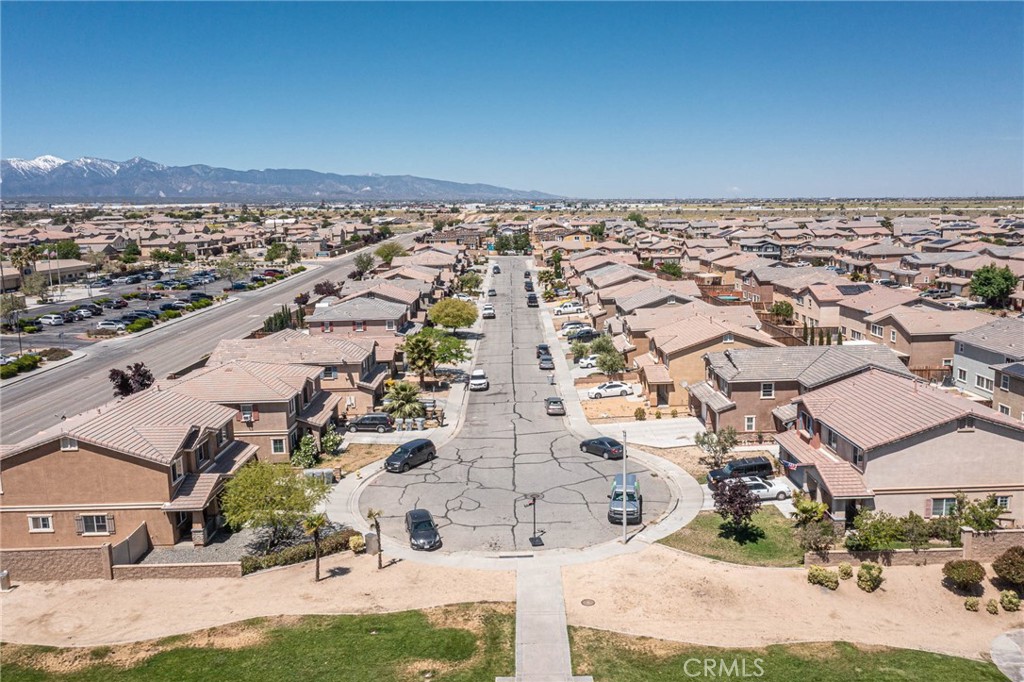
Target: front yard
[(356, 456), (774, 545)]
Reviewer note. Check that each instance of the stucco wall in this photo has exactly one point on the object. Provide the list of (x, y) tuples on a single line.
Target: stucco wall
[(749, 403), (1013, 398), (58, 563), (986, 547)]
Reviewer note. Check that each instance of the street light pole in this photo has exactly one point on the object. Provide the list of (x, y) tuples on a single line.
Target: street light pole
[(625, 489)]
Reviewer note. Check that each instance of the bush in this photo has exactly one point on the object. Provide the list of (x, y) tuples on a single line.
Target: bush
[(640, 414), (331, 544), (30, 329), (972, 603), (8, 371), (27, 362), (992, 607), (675, 413), (139, 324), (357, 543), (869, 576), (169, 315), (965, 574), (816, 575), (816, 536), (298, 269), (52, 354), (657, 414), (1010, 565), (845, 571), (1010, 600)]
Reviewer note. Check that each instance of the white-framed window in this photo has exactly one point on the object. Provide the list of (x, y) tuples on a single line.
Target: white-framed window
[(947, 362), (246, 410), (961, 374), (359, 326), (40, 524), (328, 327), (984, 383), (1003, 501), (293, 404), (67, 443), (857, 336), (178, 469), (389, 325), (831, 439), (330, 372), (876, 330), (184, 517), (95, 524), (892, 336), (1004, 409), (1004, 382), (277, 446), (750, 423), (858, 458), (728, 338), (943, 506), (222, 435), (767, 390)]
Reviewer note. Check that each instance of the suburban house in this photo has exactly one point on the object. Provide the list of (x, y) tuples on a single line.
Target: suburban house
[(157, 458), (854, 310), (1008, 389), (641, 322), (352, 367), (275, 404), (763, 247), (751, 389), (881, 441), (999, 342), (817, 305), (373, 317), (922, 335)]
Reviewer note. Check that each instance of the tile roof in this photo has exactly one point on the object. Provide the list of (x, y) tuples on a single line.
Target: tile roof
[(1013, 369), (194, 493), (838, 475), (710, 396), (321, 409), (360, 309), (293, 346), (697, 330), (1002, 335), (385, 290), (875, 408), (785, 413), (925, 320), (249, 382), (656, 293), (879, 298), (810, 365), (644, 319)]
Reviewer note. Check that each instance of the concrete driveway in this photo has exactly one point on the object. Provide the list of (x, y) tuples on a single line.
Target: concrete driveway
[(508, 448), (656, 433)]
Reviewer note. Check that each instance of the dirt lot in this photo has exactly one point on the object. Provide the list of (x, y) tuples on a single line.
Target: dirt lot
[(357, 456), (94, 612), (611, 409), (675, 596), (688, 457)]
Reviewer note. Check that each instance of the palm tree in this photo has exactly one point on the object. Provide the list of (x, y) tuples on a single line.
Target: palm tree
[(420, 355), (374, 516), (405, 400), (546, 276), (313, 525)]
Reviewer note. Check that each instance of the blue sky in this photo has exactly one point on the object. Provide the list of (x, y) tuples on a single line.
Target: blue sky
[(579, 99)]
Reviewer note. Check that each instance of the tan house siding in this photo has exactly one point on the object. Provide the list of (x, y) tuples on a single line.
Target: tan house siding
[(1012, 398), (274, 422), (749, 403), (688, 365)]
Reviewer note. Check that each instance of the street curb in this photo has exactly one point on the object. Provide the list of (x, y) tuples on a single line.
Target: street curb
[(75, 355), (164, 325)]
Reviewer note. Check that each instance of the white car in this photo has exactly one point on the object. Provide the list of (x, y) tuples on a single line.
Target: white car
[(462, 297), (609, 388), (766, 490), (478, 381), (488, 312), (570, 308), (84, 312), (7, 359), (589, 362), (52, 320), (113, 325)]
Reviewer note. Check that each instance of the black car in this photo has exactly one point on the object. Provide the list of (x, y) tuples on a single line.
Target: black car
[(133, 279), (531, 301), (496, 270), (151, 314), (149, 296), (93, 308), (375, 421), (748, 466), (422, 530), (172, 305), (528, 286), (410, 454), (131, 316), (609, 448), (546, 362), (102, 282), (199, 295), (526, 275), (584, 335), (543, 349), (69, 316)]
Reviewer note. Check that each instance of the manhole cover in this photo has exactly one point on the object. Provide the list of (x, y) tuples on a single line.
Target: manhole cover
[(588, 602)]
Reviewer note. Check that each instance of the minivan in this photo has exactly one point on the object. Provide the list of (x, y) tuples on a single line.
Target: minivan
[(628, 495), (374, 421), (52, 319), (748, 466), (411, 454)]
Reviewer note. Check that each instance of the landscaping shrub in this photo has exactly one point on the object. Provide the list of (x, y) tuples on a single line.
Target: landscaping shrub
[(53, 354), (27, 362), (675, 413), (657, 414), (964, 574), (992, 607), (357, 543), (816, 536), (330, 544), (869, 576), (845, 571), (972, 603), (816, 575), (139, 324), (169, 315), (101, 332), (298, 269), (1010, 566), (640, 414), (1010, 600), (30, 329), (8, 371)]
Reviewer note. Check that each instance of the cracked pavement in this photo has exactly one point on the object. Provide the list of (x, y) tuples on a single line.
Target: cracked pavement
[(507, 449)]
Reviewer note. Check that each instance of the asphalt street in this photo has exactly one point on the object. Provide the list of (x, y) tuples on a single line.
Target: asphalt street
[(478, 488), (39, 402)]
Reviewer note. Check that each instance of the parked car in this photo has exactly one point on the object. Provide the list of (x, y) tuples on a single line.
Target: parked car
[(94, 309), (151, 314), (7, 359), (531, 301), (270, 273), (199, 295), (583, 334), (528, 285), (374, 421), (462, 297), (561, 292), (410, 454), (609, 388), (747, 466), (570, 308), (554, 406), (589, 362), (113, 325), (115, 303), (478, 381), (173, 305), (496, 270), (69, 316), (82, 313), (543, 349), (492, 292), (133, 279), (102, 282), (526, 275), (422, 530), (52, 319), (766, 490), (608, 448), (575, 324), (546, 362), (149, 296), (627, 496), (131, 316), (488, 312)]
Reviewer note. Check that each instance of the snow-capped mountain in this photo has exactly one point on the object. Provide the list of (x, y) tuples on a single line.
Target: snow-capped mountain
[(86, 178)]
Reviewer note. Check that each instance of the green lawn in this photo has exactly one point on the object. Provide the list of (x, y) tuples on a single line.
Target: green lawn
[(774, 545), (312, 648), (611, 657)]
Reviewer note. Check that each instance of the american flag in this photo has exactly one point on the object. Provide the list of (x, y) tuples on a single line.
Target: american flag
[(790, 466)]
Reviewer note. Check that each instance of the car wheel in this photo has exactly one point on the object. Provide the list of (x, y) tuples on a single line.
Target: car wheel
[(780, 496), (583, 448), (624, 393), (405, 468), (431, 456), (604, 454), (381, 429), (597, 395), (352, 429)]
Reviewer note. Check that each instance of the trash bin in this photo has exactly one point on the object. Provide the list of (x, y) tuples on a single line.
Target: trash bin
[(5, 581), (419, 423), (399, 424), (372, 543)]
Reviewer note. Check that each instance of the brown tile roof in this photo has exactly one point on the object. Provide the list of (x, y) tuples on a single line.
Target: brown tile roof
[(246, 382), (321, 409), (838, 475), (926, 320), (879, 298), (194, 493), (231, 458), (293, 346), (697, 330)]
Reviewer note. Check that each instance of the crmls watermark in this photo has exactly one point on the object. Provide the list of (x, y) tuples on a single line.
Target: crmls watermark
[(721, 668)]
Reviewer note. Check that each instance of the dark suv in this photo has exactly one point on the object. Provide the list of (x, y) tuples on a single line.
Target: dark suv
[(411, 454), (531, 301), (375, 421), (748, 466)]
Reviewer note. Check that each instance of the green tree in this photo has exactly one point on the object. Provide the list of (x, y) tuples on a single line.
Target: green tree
[(232, 268), (448, 348), (716, 446), (35, 285), (132, 250), (307, 454), (521, 241), (453, 313), (782, 309), (806, 510), (330, 441), (404, 400), (602, 344), (420, 354), (160, 255), (915, 531), (363, 263), (875, 531), (68, 249), (672, 269), (10, 306), (385, 232), (979, 514), (276, 251), (271, 496), (503, 243), (313, 525), (638, 218), (611, 363), (388, 251), (556, 263), (994, 284), (597, 231), (293, 255), (366, 219), (470, 281)]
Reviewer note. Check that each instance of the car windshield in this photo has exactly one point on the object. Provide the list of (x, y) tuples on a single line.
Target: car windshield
[(423, 525), (617, 496)]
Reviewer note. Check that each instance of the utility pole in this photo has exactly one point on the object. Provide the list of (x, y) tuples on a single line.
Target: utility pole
[(535, 540), (624, 489)]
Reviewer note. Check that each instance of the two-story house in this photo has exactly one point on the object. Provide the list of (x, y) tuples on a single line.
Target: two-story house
[(373, 317), (885, 442), (975, 352), (854, 310), (922, 334), (1008, 389)]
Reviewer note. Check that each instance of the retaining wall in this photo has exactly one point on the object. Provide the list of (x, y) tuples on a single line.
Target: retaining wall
[(228, 569), (57, 563)]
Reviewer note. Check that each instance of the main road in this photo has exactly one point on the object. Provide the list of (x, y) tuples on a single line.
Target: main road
[(40, 401)]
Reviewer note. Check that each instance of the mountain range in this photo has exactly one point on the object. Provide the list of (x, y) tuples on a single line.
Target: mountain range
[(50, 177)]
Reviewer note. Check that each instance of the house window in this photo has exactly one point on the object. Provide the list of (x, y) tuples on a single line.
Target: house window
[(359, 326), (984, 383), (203, 453), (857, 336), (767, 390), (1004, 409), (750, 423), (892, 335), (293, 404), (328, 327), (98, 524), (40, 524), (177, 470), (965, 423), (222, 435), (943, 506), (246, 410), (277, 446), (390, 325), (961, 374), (1004, 382), (831, 440), (947, 362), (960, 348), (1003, 501), (876, 330), (728, 338), (68, 443), (858, 458), (330, 372)]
